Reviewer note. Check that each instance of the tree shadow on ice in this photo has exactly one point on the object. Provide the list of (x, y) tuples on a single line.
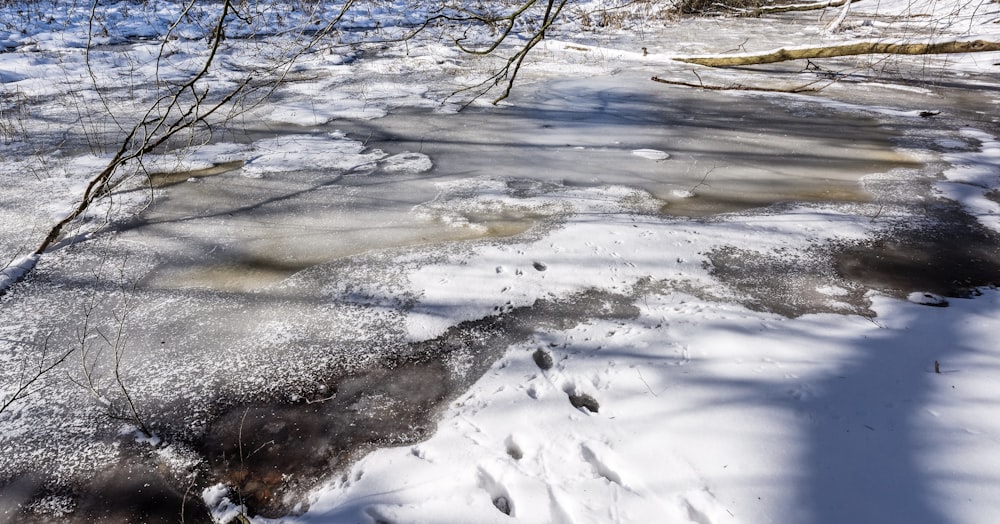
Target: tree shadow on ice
[(869, 449), (696, 122)]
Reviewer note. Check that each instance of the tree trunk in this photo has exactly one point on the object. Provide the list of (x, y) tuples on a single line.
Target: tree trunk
[(849, 49), (835, 25), (799, 7)]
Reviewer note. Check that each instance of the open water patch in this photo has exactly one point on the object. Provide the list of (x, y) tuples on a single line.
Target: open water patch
[(946, 252), (169, 178), (697, 155), (942, 250)]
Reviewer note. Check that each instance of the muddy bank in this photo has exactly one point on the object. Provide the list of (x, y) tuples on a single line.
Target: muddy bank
[(946, 252), (271, 451), (270, 454), (940, 249)]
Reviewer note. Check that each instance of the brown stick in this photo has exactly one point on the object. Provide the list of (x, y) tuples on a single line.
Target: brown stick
[(855, 48), (737, 87)]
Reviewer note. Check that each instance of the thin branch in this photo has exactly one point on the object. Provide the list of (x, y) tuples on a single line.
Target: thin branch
[(27, 383), (739, 87), (512, 67), (119, 347), (148, 127)]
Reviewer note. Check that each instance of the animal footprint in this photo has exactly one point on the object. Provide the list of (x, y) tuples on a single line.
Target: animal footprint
[(498, 492), (596, 457), (543, 359), (581, 400), (503, 309), (513, 448)]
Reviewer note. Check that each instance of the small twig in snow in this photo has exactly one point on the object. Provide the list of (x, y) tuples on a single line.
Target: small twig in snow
[(637, 370)]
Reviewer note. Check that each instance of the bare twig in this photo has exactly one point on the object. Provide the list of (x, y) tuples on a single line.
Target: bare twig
[(119, 347), (28, 381), (738, 87), (703, 179)]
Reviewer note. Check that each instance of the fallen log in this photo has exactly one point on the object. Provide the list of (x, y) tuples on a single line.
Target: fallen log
[(848, 49), (787, 8)]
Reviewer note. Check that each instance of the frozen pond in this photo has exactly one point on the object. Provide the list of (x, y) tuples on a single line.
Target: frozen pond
[(418, 177)]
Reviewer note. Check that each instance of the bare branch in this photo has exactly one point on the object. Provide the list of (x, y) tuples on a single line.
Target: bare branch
[(28, 383), (738, 87)]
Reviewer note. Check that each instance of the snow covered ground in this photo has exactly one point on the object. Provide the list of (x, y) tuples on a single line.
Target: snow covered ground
[(604, 300)]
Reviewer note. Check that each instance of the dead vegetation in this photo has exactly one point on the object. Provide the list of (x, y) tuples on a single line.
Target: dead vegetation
[(717, 7)]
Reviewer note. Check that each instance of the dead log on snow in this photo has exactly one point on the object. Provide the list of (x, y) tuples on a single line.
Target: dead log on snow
[(849, 49), (769, 9)]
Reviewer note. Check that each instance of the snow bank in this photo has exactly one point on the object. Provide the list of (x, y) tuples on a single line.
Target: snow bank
[(15, 271), (709, 413), (974, 178)]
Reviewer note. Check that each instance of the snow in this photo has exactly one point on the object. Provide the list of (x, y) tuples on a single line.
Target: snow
[(758, 419), (360, 215), (15, 270), (652, 154), (974, 175), (300, 152)]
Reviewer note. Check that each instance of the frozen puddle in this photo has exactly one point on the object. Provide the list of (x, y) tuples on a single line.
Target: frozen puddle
[(698, 153), (621, 144)]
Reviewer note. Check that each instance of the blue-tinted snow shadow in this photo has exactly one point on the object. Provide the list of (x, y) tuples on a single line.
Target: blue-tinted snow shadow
[(874, 441), (870, 450)]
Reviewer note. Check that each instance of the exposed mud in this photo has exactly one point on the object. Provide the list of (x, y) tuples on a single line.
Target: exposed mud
[(943, 251), (948, 253), (788, 283), (138, 488), (269, 452)]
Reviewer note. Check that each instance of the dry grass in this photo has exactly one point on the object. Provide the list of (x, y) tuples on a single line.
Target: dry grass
[(702, 7)]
